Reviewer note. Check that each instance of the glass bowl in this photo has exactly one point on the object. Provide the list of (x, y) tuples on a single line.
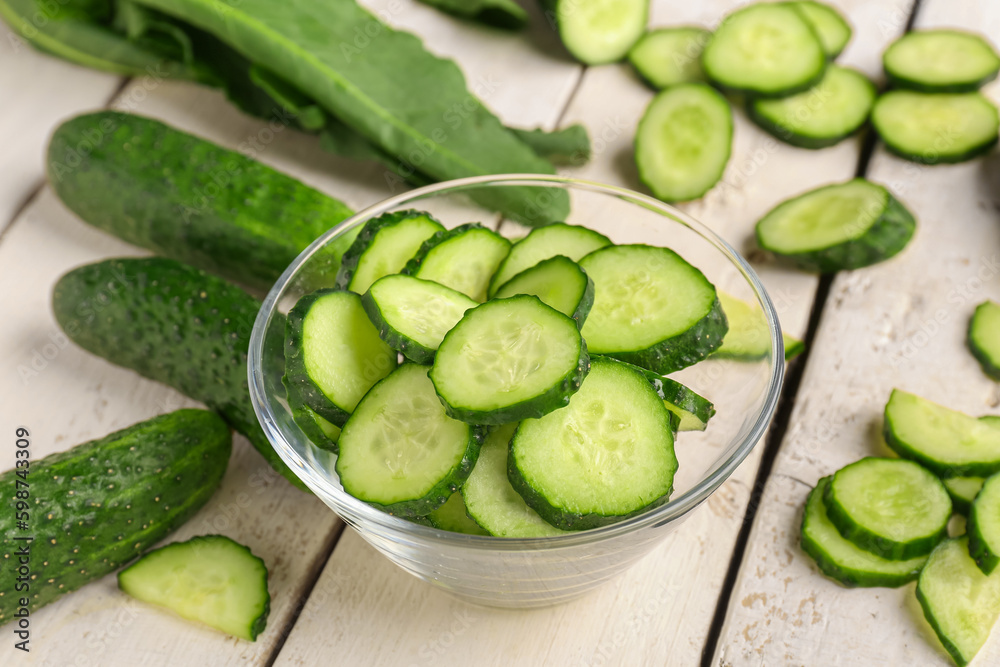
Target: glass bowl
[(536, 572)]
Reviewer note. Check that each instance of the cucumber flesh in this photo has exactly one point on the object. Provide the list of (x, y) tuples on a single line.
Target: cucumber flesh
[(960, 602), (463, 258), (842, 560), (984, 337), (543, 243), (831, 27), (691, 410), (748, 338), (940, 61), (453, 515), (684, 141), (509, 359), (597, 32), (383, 247), (936, 128), (963, 491), (984, 526), (767, 50), (669, 56), (559, 282), (209, 579), (400, 451)]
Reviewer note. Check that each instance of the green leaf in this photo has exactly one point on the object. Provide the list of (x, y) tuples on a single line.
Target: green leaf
[(498, 13), (570, 145), (309, 115)]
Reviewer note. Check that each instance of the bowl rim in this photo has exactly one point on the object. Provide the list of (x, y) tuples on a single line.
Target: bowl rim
[(352, 510)]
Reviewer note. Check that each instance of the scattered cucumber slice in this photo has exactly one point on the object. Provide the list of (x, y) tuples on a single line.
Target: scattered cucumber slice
[(826, 114), (597, 32), (383, 247), (960, 602), (559, 282), (936, 128), (748, 338), (940, 61), (508, 360), (413, 315), (492, 501), (893, 508), (984, 337), (209, 579), (453, 515), (984, 526), (963, 491), (691, 409), (842, 560), (542, 243), (651, 308), (836, 227), (767, 50), (322, 433), (400, 451), (669, 56), (333, 353), (463, 258), (831, 27), (605, 457), (684, 141)]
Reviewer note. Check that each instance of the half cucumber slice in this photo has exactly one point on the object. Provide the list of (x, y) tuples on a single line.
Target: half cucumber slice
[(963, 491), (669, 56), (383, 247), (600, 31), (984, 337), (691, 410), (940, 61), (831, 27), (559, 282), (748, 338), (453, 515), (984, 526), (463, 258), (324, 434), (570, 241)]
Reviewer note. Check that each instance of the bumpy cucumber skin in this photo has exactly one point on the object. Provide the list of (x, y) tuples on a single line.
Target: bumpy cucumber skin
[(887, 236), (102, 503), (989, 365), (987, 556), (174, 324), (302, 415), (186, 198), (846, 576), (352, 256)]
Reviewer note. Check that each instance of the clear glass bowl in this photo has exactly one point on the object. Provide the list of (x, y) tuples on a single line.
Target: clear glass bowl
[(537, 572)]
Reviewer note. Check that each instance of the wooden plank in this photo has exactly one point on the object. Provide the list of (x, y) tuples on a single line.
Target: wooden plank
[(898, 324), (384, 616)]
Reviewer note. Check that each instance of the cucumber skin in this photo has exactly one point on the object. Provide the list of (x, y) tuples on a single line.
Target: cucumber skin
[(673, 392), (351, 257), (304, 420), (438, 238), (884, 239), (174, 324), (940, 469), (898, 81), (171, 212), (955, 158), (586, 299), (178, 459), (986, 559), (987, 363), (403, 344)]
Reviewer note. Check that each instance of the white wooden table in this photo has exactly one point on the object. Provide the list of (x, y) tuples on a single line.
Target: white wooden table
[(731, 587)]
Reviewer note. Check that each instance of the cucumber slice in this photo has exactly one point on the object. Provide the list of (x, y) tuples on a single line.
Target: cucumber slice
[(940, 61), (836, 227), (544, 242), (651, 308), (963, 491), (960, 602), (210, 579), (936, 128), (669, 56), (413, 315), (948, 442), (605, 457), (691, 409), (893, 508), (842, 560), (400, 451), (684, 141), (984, 337), (984, 526), (748, 338), (322, 433), (831, 27), (453, 515), (597, 32), (333, 353), (463, 258), (492, 502), (767, 50), (508, 360), (822, 116), (383, 247), (559, 282)]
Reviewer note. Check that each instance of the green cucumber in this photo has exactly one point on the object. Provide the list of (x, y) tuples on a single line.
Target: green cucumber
[(684, 141), (765, 50), (842, 560), (333, 353), (831, 27), (463, 258), (508, 360), (99, 505), (412, 315), (323, 433), (748, 338), (963, 491), (210, 579), (983, 337), (984, 526), (837, 227), (186, 198), (598, 32), (453, 515), (559, 282), (607, 456), (174, 324), (826, 114), (893, 508), (651, 308), (400, 452), (669, 56), (383, 247), (690, 410), (937, 128), (940, 61)]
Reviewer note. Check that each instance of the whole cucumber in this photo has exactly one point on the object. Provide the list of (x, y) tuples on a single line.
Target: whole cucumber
[(99, 505), (186, 198), (174, 324)]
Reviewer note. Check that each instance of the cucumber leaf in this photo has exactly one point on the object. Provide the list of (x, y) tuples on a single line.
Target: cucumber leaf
[(498, 13), (570, 145), (310, 116)]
